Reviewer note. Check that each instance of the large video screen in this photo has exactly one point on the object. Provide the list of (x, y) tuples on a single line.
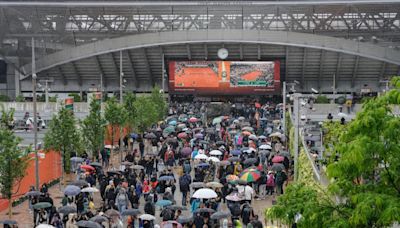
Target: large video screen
[(224, 77)]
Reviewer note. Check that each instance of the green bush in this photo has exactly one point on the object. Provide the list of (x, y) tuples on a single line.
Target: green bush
[(53, 99), (4, 98), (77, 97), (20, 98), (321, 99)]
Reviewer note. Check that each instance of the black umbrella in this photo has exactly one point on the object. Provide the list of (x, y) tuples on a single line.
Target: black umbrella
[(250, 161), (96, 164), (204, 210), (150, 136), (184, 219), (67, 210), (34, 193), (8, 222), (220, 143), (111, 173), (220, 215), (166, 178), (99, 219), (131, 212), (80, 183), (277, 167), (197, 185), (126, 163), (233, 159), (88, 224), (112, 212), (203, 142)]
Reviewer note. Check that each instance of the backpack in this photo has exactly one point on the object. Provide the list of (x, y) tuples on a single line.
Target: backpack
[(121, 199), (270, 180), (184, 183), (280, 178)]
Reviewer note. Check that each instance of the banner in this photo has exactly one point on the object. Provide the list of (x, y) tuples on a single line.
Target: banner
[(224, 77), (69, 103)]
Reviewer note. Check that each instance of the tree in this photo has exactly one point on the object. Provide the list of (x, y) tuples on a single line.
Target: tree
[(146, 113), (130, 109), (115, 116), (365, 178), (7, 118), (64, 136), (12, 164), (93, 128), (159, 101)]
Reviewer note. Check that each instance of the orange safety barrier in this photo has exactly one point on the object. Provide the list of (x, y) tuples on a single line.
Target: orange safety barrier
[(108, 139), (49, 170)]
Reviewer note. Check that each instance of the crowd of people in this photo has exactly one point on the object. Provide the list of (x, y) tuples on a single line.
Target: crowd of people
[(186, 171)]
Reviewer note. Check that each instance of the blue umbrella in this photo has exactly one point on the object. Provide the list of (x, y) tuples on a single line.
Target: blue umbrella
[(134, 135), (166, 178), (163, 203), (77, 159), (236, 152), (72, 190), (199, 136), (202, 165), (173, 122)]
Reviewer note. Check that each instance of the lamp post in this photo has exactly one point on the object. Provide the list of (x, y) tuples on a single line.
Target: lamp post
[(296, 112), (34, 77)]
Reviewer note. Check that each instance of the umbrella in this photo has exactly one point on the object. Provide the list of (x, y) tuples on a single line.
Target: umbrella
[(341, 114), (213, 159), (251, 176), (111, 173), (204, 210), (233, 197), (99, 219), (182, 125), (220, 143), (265, 147), (112, 212), (252, 169), (44, 226), (197, 185), (246, 133), (137, 167), (199, 136), (210, 130), (275, 134), (42, 205), (250, 161), (203, 142), (182, 135), (193, 120), (133, 212), (150, 136), (72, 190), (262, 137), (33, 193), (278, 159), (80, 183), (216, 152), (205, 193), (253, 137), (186, 151), (126, 163), (8, 222), (231, 178), (67, 210), (217, 120), (163, 203), (257, 105), (176, 207), (277, 167), (88, 224), (134, 135), (225, 163), (171, 224), (90, 189), (166, 178), (201, 156), (173, 122), (236, 152), (241, 118), (108, 146), (168, 130), (202, 165), (96, 164), (233, 159), (147, 217), (185, 219), (241, 182), (214, 184), (285, 154), (77, 159), (220, 215), (248, 129)]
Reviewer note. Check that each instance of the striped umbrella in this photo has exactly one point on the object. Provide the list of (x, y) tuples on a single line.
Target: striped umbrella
[(250, 176)]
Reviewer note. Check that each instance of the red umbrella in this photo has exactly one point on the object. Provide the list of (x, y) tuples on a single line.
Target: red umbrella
[(193, 120), (182, 135), (258, 105), (87, 167), (186, 151), (278, 159)]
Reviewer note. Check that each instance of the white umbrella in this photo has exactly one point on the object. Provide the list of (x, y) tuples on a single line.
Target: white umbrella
[(108, 146), (216, 152), (90, 189), (253, 137), (213, 159), (147, 217), (44, 226), (275, 134), (201, 156), (265, 147), (341, 114), (205, 193)]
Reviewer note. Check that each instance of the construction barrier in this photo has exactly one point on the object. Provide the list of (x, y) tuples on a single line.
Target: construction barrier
[(49, 170)]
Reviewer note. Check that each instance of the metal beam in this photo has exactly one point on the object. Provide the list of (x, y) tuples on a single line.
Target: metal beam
[(258, 51), (366, 50), (63, 78), (303, 69), (76, 71), (355, 71), (321, 68), (130, 64), (241, 51), (205, 51), (189, 53), (101, 72), (148, 67), (337, 71)]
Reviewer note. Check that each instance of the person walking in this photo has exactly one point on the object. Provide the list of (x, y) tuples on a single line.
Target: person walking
[(122, 200), (184, 183)]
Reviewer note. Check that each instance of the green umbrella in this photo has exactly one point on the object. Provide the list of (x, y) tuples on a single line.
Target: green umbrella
[(217, 120), (41, 205), (168, 130)]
